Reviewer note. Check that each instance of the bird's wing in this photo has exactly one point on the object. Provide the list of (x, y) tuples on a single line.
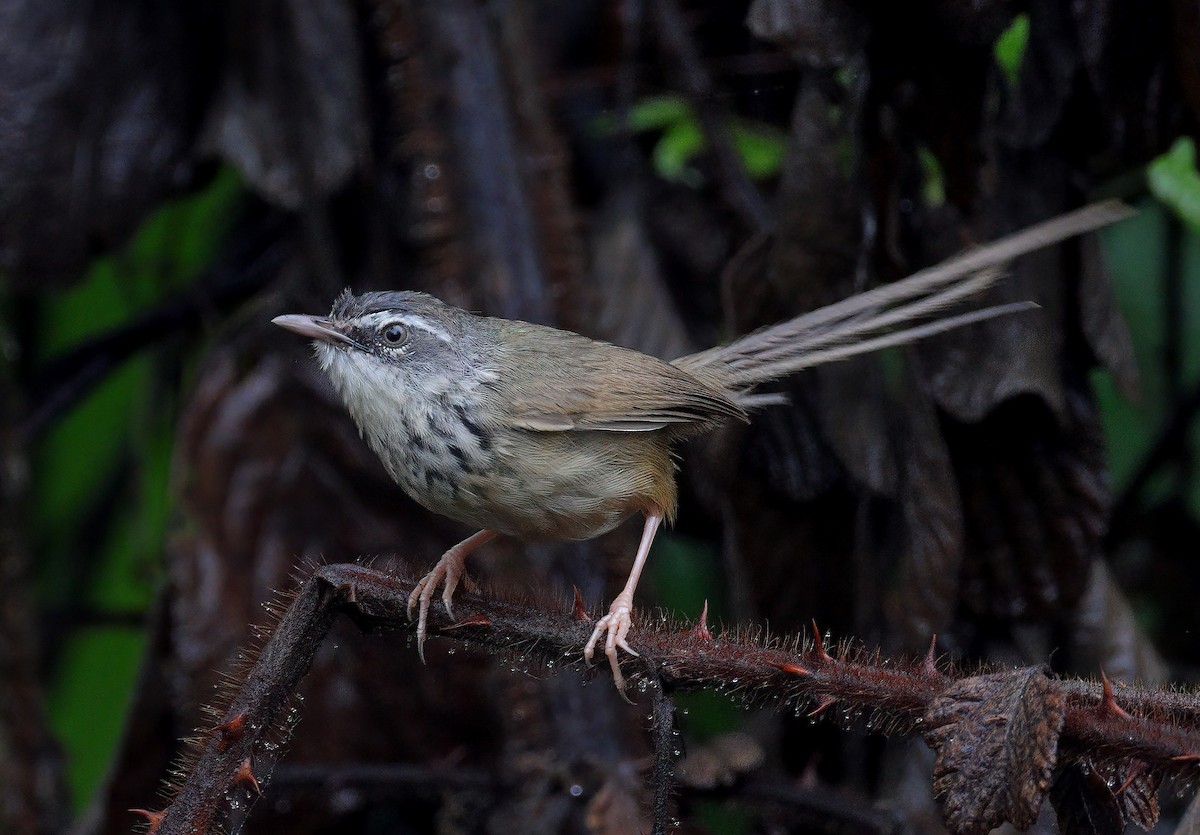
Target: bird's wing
[(560, 381)]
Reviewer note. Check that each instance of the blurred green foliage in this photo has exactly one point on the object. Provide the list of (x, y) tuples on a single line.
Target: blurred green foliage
[(1173, 179), (681, 140), (101, 474), (1009, 49), (1138, 256), (933, 178)]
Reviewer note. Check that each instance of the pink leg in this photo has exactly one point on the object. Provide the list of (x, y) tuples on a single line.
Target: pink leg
[(449, 570), (617, 622)]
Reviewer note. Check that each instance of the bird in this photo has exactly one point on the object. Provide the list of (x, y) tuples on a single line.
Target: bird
[(523, 430)]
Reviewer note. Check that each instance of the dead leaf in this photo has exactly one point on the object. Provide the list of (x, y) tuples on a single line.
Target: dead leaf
[(818, 33), (1135, 787), (290, 110), (932, 556), (1085, 804), (996, 738), (98, 106)]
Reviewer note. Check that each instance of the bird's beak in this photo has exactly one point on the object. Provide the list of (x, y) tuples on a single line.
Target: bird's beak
[(314, 327)]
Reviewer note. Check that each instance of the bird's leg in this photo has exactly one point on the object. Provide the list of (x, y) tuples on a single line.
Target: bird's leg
[(448, 571), (617, 622)]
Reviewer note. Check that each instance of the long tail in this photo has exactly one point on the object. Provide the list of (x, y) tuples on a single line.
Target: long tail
[(887, 315)]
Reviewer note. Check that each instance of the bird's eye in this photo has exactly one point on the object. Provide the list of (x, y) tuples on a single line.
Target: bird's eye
[(394, 333)]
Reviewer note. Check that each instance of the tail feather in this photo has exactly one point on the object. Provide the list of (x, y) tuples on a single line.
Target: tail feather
[(771, 346), (790, 365), (887, 315)]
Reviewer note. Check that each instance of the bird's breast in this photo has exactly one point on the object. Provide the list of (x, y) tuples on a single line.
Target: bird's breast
[(532, 485)]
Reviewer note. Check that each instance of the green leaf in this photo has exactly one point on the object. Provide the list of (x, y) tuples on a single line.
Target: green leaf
[(760, 147), (933, 180), (1173, 179), (674, 152), (1009, 49), (659, 113)]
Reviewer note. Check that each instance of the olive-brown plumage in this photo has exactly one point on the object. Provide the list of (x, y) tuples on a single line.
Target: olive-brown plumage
[(529, 431)]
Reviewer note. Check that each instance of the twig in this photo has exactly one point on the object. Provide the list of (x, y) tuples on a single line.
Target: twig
[(1030, 719), (666, 751)]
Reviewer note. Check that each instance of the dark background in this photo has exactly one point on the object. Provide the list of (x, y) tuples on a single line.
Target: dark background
[(658, 173)]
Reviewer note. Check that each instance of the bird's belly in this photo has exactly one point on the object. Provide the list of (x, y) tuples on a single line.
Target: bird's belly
[(560, 486)]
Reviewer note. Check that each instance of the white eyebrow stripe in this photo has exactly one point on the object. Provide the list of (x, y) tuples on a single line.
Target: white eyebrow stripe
[(373, 319), (421, 324)]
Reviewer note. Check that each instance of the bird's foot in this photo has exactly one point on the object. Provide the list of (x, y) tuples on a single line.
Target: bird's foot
[(616, 626), (449, 570)]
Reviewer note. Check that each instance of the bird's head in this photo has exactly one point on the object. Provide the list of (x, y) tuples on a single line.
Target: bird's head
[(385, 341)]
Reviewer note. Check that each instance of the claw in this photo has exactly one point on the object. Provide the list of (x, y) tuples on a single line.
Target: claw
[(615, 627), (617, 622), (448, 592), (449, 570)]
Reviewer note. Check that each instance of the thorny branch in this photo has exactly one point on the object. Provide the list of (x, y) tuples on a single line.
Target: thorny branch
[(1022, 726)]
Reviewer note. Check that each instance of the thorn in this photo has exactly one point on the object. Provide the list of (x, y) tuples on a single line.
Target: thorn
[(580, 612), (823, 704), (231, 731), (819, 644), (245, 775), (1186, 758), (1108, 702), (929, 666), (700, 630), (791, 669), (474, 620), (153, 819)]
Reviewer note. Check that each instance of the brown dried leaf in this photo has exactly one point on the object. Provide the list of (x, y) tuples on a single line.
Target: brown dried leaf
[(98, 105), (1036, 502), (973, 370), (818, 33), (1106, 635), (1135, 788), (1139, 801), (1085, 804), (813, 261), (1122, 47), (627, 300), (931, 563), (290, 111), (814, 255), (996, 738)]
